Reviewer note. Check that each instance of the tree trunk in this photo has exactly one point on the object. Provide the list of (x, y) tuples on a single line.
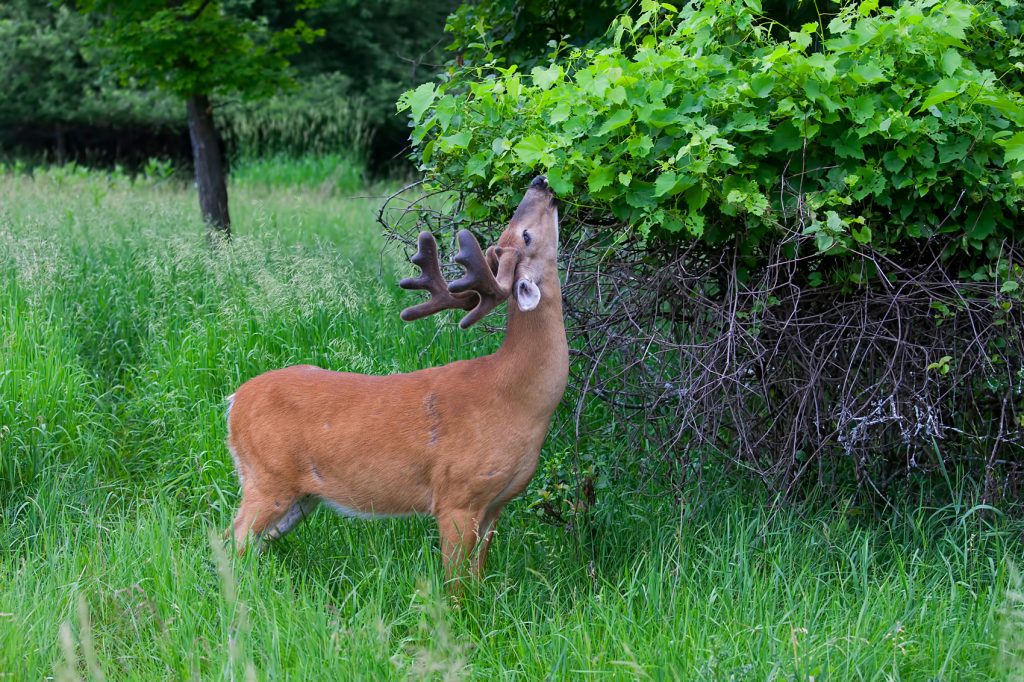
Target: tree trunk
[(210, 178), (62, 145)]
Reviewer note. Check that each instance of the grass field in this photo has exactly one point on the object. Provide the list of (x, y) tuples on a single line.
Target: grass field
[(120, 335)]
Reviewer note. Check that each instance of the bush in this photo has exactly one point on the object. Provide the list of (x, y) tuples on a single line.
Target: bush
[(688, 125), (781, 250)]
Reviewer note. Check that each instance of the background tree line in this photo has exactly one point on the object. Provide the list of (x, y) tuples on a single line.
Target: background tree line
[(62, 100)]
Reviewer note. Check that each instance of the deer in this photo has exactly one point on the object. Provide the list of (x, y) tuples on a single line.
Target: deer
[(456, 442)]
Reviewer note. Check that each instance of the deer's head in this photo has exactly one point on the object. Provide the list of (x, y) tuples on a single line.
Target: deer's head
[(522, 265), (533, 231)]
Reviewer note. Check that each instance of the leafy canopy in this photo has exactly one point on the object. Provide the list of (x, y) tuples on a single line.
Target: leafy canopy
[(210, 47), (876, 128)]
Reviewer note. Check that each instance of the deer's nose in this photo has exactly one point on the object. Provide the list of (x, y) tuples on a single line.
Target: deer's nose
[(539, 182)]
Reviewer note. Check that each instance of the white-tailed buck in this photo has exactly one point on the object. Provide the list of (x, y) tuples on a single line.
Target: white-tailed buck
[(456, 442)]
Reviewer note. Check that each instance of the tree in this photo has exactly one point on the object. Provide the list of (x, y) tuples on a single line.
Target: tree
[(198, 50), (41, 67)]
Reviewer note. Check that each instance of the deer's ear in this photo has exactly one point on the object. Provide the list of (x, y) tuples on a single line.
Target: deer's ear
[(527, 294)]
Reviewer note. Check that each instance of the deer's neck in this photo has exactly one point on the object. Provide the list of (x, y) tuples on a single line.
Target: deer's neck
[(535, 354)]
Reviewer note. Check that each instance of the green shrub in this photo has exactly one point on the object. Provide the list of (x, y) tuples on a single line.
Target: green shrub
[(698, 125), (794, 248)]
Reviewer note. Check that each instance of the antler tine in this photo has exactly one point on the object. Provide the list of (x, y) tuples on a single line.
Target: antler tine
[(433, 281), (493, 288)]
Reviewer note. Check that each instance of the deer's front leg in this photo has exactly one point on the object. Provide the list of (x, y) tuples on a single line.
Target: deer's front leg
[(486, 534), (459, 534)]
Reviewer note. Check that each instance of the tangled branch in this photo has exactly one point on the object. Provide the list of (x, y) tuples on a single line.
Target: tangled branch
[(918, 371)]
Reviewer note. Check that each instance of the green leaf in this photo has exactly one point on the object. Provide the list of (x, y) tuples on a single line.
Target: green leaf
[(560, 184), (665, 183), (833, 222), (477, 165), (787, 138), (545, 78), (420, 99), (1013, 149), (985, 223), (1007, 106), (824, 241), (801, 40), (614, 122), (1008, 287), (671, 222), (657, 115), (457, 141), (951, 61), (600, 178), (823, 66), (640, 146), (761, 85), (500, 145), (945, 89), (840, 24), (694, 224), (867, 7), (893, 162), (696, 197), (560, 112), (869, 72), (530, 149), (863, 107)]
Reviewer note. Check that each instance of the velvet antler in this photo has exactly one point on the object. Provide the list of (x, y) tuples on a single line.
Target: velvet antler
[(493, 288), (480, 290), (432, 280)]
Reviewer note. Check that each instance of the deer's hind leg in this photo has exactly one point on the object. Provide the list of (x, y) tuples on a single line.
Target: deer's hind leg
[(302, 508), (260, 513)]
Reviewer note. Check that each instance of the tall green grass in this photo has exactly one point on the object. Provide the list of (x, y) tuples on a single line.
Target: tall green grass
[(341, 173), (121, 333)]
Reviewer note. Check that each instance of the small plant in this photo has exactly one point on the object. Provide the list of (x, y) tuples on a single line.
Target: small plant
[(158, 171)]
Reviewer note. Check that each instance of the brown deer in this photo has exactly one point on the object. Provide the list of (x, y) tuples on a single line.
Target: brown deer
[(456, 442)]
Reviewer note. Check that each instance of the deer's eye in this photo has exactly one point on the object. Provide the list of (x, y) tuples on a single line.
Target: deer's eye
[(527, 238)]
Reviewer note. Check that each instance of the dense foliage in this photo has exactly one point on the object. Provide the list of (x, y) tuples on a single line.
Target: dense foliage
[(698, 125), (380, 48), (316, 118), (196, 47), (522, 32), (198, 50)]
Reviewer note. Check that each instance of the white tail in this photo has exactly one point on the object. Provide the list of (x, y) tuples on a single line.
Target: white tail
[(456, 442)]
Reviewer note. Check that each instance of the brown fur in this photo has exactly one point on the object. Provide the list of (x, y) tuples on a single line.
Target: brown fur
[(456, 442)]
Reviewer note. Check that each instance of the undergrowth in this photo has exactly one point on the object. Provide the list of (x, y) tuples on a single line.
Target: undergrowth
[(121, 333)]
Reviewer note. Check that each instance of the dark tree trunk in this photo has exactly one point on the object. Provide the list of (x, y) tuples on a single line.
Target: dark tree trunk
[(62, 145), (206, 155)]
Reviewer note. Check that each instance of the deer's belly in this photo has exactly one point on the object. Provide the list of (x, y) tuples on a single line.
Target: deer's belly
[(355, 513)]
